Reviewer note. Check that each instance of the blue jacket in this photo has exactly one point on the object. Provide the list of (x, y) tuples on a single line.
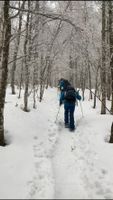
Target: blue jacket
[(62, 97)]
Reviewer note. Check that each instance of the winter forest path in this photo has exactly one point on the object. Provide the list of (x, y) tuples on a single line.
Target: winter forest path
[(75, 164), (45, 161), (69, 165), (80, 170)]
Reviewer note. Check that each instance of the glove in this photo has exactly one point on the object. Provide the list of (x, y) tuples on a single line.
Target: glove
[(77, 92), (60, 103), (78, 95), (80, 98)]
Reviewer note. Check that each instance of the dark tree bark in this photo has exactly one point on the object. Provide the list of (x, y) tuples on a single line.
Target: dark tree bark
[(4, 66), (26, 63), (111, 137), (96, 87), (83, 84), (103, 67)]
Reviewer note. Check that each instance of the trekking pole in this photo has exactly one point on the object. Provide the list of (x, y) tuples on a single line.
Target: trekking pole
[(81, 109), (57, 114)]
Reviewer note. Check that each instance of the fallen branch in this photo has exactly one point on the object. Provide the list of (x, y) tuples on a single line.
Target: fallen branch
[(99, 100)]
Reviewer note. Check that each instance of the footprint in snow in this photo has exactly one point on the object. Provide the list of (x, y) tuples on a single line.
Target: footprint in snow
[(34, 188), (104, 172), (52, 134), (39, 155), (35, 137)]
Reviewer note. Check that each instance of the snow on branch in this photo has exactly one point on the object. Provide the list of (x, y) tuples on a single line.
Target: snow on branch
[(51, 16)]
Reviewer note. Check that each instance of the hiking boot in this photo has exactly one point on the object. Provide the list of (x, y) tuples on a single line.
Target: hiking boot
[(66, 125), (72, 129)]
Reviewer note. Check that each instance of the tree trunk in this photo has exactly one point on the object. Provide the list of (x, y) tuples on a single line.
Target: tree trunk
[(21, 81), (4, 67), (43, 64), (42, 82), (49, 68), (34, 86), (111, 64), (87, 61), (103, 67), (83, 84), (111, 48), (108, 86), (16, 53), (96, 87), (1, 30), (89, 78), (111, 137), (26, 64), (109, 20)]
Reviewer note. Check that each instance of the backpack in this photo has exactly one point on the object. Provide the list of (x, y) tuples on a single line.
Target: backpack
[(63, 84), (70, 95)]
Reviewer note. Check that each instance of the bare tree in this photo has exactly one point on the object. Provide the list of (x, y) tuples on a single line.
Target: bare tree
[(4, 66), (111, 47), (108, 41), (103, 67), (87, 61), (96, 85), (111, 58), (21, 78), (17, 42), (111, 137), (26, 61)]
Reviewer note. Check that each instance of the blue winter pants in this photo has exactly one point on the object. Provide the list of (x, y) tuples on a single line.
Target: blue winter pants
[(69, 114)]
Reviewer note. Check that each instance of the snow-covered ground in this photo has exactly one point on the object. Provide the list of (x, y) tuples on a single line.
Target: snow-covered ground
[(45, 160)]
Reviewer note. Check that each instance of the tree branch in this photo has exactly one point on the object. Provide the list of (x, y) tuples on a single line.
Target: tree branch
[(20, 58), (99, 100), (19, 10), (51, 16)]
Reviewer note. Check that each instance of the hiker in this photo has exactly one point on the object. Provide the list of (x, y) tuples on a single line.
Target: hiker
[(69, 98), (63, 83)]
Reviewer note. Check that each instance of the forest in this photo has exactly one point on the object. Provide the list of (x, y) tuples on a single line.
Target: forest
[(44, 41)]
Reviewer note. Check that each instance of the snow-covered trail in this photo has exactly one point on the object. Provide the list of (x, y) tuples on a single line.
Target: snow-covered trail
[(45, 161), (71, 165), (79, 172), (66, 170), (67, 165)]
